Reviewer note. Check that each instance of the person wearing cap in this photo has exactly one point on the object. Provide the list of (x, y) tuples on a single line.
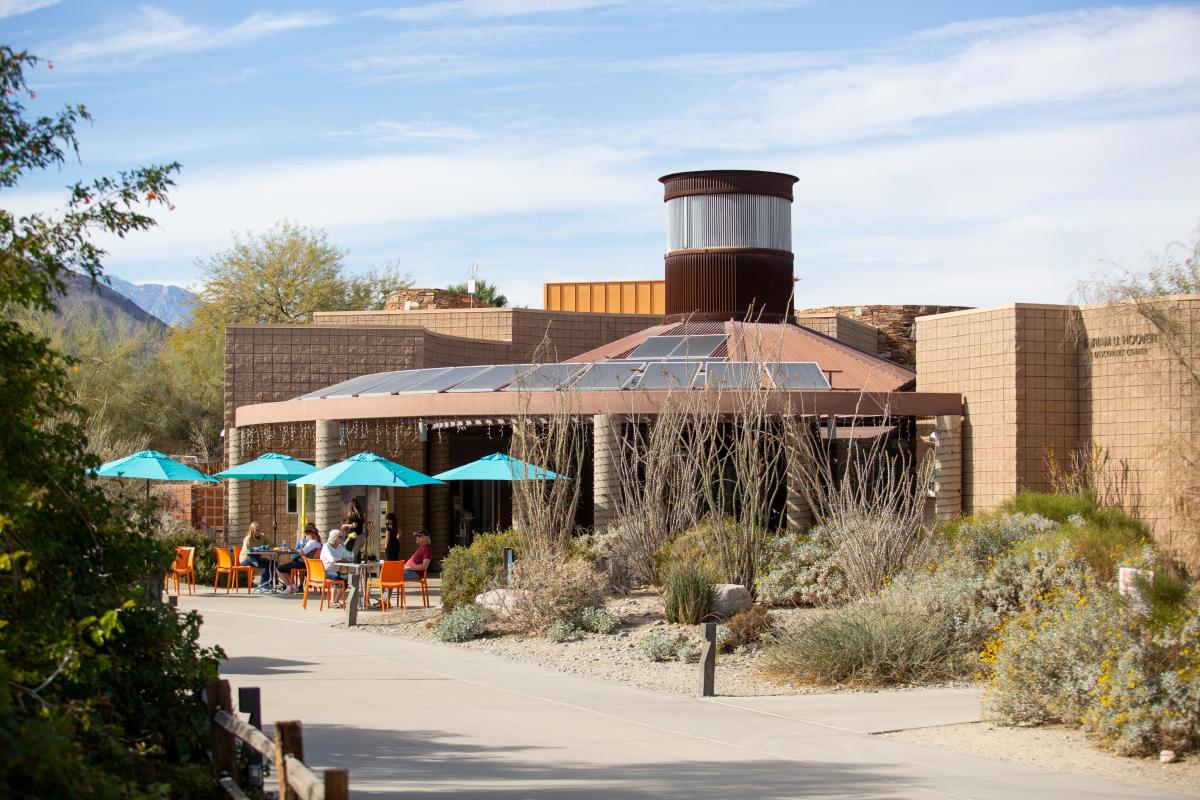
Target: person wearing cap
[(418, 562), (332, 552)]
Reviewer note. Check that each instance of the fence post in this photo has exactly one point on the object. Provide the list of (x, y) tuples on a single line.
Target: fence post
[(708, 661), (289, 741), (250, 702), (224, 756), (337, 784)]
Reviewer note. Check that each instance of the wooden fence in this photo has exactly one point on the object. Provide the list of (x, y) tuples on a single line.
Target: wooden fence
[(297, 781)]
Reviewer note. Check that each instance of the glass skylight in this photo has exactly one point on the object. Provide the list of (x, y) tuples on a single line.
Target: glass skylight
[(797, 375), (493, 378), (608, 375)]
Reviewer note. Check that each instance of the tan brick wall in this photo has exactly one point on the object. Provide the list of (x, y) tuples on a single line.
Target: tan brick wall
[(1142, 404), (845, 330), (1039, 378), (974, 353)]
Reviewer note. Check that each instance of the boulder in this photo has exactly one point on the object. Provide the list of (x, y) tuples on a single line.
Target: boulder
[(498, 601), (730, 598)]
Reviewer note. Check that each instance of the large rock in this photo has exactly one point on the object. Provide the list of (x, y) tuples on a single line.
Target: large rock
[(730, 598), (498, 601)]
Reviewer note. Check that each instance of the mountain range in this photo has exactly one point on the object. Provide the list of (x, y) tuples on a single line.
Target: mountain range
[(171, 304)]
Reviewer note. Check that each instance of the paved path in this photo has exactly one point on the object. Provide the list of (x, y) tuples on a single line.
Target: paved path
[(418, 720)]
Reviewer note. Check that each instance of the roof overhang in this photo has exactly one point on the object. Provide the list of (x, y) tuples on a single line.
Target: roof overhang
[(510, 404)]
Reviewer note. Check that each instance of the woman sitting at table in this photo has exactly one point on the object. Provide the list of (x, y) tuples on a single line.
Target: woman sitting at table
[(255, 539), (330, 554), (309, 548)]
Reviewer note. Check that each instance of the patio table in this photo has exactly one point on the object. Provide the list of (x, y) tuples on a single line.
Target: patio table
[(274, 556), (358, 585)]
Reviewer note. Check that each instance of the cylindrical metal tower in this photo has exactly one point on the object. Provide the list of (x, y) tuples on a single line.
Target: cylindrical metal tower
[(729, 245)]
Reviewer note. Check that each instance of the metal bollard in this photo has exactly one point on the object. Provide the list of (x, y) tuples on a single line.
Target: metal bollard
[(708, 661)]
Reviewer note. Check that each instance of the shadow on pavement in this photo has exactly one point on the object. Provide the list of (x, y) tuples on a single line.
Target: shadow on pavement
[(262, 665), (429, 764)]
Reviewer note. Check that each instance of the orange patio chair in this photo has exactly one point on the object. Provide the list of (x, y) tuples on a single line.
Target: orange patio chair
[(227, 565), (316, 579), (423, 582), (391, 578), (185, 565)]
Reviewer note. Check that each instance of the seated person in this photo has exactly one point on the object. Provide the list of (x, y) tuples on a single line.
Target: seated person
[(309, 548), (418, 563), (255, 539), (330, 553)]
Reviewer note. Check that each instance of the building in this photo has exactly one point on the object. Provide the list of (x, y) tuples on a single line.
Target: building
[(997, 388)]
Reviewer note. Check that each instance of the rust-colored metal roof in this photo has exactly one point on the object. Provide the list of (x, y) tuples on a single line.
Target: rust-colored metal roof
[(846, 367)]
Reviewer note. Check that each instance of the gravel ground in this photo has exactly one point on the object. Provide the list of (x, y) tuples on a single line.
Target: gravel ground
[(1061, 750), (612, 657)]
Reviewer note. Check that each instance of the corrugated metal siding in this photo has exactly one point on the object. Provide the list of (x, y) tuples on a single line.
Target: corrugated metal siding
[(729, 220), (736, 284)]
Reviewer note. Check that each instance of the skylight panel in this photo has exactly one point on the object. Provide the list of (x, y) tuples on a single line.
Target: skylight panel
[(657, 347), (609, 375), (493, 378), (443, 380), (545, 377), (797, 375), (669, 375), (732, 375)]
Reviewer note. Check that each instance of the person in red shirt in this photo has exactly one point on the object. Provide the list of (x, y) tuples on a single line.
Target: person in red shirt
[(418, 562)]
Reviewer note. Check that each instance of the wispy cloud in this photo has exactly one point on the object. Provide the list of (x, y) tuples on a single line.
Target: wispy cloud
[(11, 8), (498, 9), (423, 131), (154, 33), (1008, 67)]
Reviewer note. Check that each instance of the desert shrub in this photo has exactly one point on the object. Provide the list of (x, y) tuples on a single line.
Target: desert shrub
[(802, 571), (687, 594), (657, 646), (205, 560), (686, 650), (467, 621), (983, 538), (867, 643), (547, 590), (563, 631), (1056, 507), (597, 620), (1090, 657), (686, 548), (467, 571), (747, 627), (726, 640)]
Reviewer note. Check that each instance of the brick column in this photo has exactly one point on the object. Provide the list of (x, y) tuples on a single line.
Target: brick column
[(799, 513), (237, 518), (438, 497), (328, 452), (947, 459), (606, 471)]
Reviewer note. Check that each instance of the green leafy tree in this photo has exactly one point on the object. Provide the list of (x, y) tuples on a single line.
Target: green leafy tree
[(98, 683), (485, 293), (284, 276)]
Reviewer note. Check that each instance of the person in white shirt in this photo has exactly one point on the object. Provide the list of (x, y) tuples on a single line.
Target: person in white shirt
[(331, 552)]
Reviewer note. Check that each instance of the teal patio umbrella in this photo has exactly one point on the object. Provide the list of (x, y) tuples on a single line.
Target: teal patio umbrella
[(367, 469), (270, 467), (499, 467), (151, 465)]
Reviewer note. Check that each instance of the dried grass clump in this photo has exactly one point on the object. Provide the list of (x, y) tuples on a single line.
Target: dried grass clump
[(747, 627), (869, 643), (548, 590)]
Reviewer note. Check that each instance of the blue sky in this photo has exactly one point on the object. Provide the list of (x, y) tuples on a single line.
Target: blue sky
[(948, 152)]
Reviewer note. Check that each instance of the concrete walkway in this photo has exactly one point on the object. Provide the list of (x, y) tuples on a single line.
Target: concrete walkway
[(417, 720)]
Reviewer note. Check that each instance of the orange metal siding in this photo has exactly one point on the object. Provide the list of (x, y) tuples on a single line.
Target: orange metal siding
[(607, 297)]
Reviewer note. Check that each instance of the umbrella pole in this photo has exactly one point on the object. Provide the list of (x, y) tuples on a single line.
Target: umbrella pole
[(274, 512)]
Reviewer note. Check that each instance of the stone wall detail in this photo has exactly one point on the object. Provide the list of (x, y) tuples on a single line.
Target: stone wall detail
[(947, 467), (896, 326), (329, 451), (237, 494), (428, 299)]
